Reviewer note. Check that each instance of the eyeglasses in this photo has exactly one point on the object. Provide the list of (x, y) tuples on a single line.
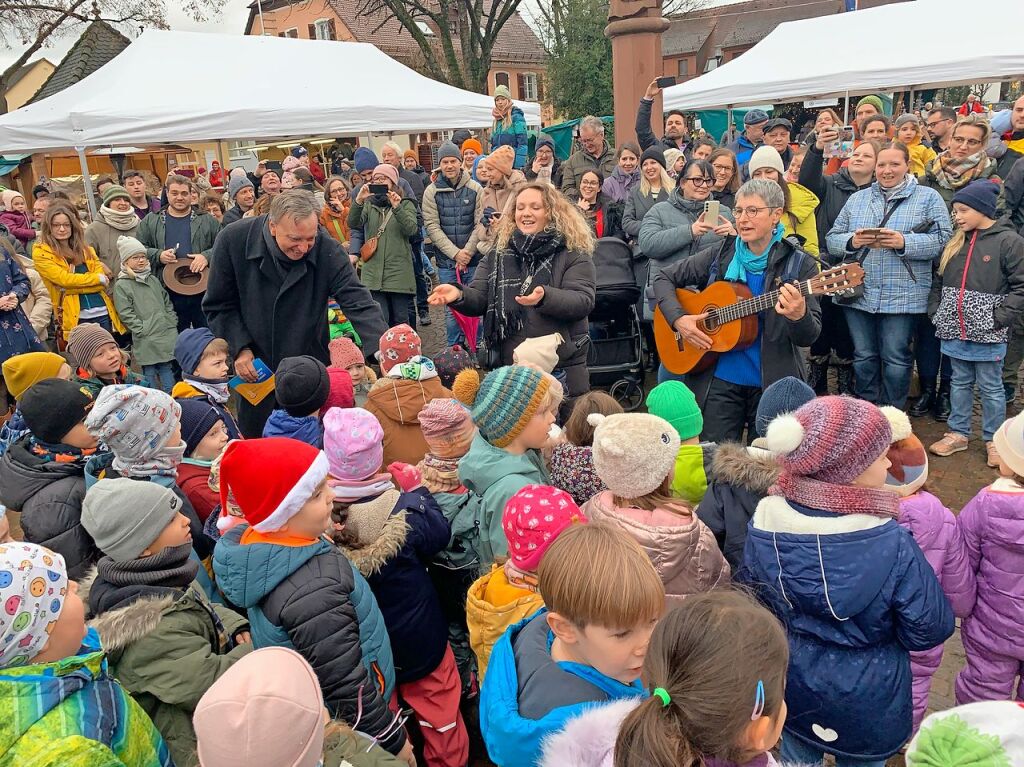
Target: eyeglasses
[(965, 140), (700, 180), (588, 183), (60, 226), (933, 123), (747, 212), (722, 168)]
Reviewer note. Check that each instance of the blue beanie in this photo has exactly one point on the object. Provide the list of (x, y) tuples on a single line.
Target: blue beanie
[(787, 395), (981, 195), (755, 117), (506, 401), (364, 159), (189, 348), (197, 417)]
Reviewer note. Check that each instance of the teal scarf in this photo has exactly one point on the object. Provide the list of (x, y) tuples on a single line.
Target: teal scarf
[(744, 260)]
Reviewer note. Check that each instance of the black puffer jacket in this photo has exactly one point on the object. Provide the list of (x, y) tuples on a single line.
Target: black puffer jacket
[(49, 496), (833, 191)]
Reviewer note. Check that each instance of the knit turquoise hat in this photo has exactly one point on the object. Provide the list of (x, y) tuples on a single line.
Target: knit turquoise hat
[(505, 401), (673, 401)]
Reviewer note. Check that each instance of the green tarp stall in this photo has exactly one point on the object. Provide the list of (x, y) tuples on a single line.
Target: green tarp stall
[(9, 162), (715, 122), (563, 133)]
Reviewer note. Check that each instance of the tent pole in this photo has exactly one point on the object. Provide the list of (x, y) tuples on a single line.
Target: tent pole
[(87, 181), (910, 101), (846, 109)]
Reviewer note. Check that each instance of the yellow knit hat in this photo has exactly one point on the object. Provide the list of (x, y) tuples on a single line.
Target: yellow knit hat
[(23, 370)]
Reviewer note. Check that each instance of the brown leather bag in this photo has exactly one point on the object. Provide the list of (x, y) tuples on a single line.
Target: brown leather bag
[(369, 248)]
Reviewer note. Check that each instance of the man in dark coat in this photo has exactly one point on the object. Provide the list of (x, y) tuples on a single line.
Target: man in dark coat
[(270, 279), (676, 136)]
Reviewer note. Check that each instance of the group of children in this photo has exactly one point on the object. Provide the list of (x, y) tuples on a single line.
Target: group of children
[(407, 550)]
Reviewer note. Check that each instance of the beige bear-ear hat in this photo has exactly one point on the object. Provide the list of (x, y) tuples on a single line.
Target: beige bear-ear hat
[(633, 452)]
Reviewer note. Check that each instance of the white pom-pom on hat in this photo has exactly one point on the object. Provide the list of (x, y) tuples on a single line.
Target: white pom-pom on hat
[(899, 422), (784, 434), (594, 419)]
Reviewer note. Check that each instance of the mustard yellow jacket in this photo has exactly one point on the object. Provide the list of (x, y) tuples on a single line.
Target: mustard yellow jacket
[(66, 286), (799, 219), (487, 621)]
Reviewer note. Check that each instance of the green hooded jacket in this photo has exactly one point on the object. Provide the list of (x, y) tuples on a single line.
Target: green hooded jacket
[(390, 270)]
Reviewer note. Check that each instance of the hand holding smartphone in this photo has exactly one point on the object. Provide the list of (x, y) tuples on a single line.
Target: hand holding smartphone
[(666, 82)]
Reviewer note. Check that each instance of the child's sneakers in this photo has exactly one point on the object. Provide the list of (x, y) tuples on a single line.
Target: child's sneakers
[(949, 444)]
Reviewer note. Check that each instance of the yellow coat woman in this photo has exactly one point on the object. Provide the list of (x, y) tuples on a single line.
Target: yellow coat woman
[(798, 218), (67, 286)]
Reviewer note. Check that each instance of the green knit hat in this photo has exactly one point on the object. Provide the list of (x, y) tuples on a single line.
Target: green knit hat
[(506, 401), (874, 100), (113, 192), (673, 401)]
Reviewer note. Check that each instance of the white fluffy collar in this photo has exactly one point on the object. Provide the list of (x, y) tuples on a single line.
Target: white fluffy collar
[(774, 514)]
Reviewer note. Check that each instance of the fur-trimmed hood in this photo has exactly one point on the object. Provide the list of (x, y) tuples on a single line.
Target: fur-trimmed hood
[(588, 740), (751, 468), (371, 558), (123, 626)]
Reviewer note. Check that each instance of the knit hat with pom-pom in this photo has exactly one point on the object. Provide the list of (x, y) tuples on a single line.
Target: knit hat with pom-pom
[(633, 452), (909, 470), (505, 401)]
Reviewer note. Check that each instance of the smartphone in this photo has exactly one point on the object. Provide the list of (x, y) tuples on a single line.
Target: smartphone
[(712, 210), (871, 232), (666, 82), (846, 134), (378, 188)]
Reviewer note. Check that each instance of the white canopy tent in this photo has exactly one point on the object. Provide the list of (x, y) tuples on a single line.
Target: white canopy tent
[(870, 50), (263, 87)]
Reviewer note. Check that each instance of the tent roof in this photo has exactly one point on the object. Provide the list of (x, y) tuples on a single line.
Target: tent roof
[(827, 56), (320, 87)]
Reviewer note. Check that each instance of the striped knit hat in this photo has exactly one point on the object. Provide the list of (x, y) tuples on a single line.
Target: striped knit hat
[(506, 400)]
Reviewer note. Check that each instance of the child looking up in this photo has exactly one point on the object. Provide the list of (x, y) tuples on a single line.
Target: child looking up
[(391, 536), (99, 359), (993, 528), (603, 600), (717, 669), (299, 589), (203, 359), (635, 455), (572, 461), (61, 705), (166, 642), (673, 401), (205, 435), (853, 590), (533, 518), (346, 355), (301, 386)]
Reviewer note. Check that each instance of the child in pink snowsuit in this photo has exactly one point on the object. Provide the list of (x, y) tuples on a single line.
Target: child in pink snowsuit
[(934, 528), (993, 529)]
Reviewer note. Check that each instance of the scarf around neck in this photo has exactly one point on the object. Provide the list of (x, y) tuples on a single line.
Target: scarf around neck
[(60, 453), (838, 499), (744, 260), (123, 222), (163, 463), (955, 174), (215, 389), (351, 490), (520, 578), (888, 194), (419, 368), (139, 275), (521, 266), (171, 568), (440, 475)]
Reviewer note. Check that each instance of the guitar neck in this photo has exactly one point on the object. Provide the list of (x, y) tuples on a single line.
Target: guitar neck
[(757, 304)]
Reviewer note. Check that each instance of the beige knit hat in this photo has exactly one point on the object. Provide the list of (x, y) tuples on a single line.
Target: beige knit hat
[(633, 452), (541, 351)]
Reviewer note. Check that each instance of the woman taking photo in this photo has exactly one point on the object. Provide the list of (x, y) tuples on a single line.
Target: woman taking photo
[(334, 216), (387, 221), (654, 187), (540, 280), (115, 218), (798, 215), (727, 177), (626, 174), (76, 278), (602, 214), (897, 228), (834, 345)]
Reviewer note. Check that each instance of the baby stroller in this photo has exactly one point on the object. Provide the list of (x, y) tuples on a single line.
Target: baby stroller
[(615, 358)]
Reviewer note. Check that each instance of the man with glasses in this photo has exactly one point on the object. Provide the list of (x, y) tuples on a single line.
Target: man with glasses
[(729, 391), (940, 128), (595, 154)]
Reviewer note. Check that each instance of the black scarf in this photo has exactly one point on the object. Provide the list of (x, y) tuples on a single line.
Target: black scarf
[(170, 568), (521, 266)]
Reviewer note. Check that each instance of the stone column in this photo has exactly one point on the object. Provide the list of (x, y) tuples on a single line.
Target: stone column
[(635, 28)]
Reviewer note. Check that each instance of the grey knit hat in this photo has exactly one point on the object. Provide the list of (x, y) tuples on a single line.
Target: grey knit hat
[(128, 247), (448, 149), (237, 184), (124, 516)]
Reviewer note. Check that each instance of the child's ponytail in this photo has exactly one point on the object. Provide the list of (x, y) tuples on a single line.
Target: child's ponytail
[(715, 664)]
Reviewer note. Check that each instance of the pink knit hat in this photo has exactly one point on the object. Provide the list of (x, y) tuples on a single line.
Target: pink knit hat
[(341, 393), (354, 443), (398, 344), (445, 424), (344, 353), (267, 710), (533, 518), (290, 163), (830, 439), (387, 170)]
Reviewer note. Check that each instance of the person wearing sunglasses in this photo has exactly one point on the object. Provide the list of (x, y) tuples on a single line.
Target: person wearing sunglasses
[(940, 127)]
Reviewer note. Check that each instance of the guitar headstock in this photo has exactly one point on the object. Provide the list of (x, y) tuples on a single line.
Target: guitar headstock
[(838, 280)]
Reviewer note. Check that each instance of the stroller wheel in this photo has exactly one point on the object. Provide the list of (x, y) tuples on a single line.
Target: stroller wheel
[(627, 393)]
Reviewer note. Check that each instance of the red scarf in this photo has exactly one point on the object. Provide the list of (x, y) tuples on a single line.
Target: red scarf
[(839, 499)]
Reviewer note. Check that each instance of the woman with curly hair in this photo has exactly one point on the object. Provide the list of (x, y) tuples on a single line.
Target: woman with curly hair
[(538, 281)]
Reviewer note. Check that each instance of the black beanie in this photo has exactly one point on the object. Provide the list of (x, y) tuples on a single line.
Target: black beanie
[(301, 385), (53, 407), (655, 153)]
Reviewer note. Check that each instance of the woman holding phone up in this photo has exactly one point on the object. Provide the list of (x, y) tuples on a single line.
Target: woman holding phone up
[(897, 228)]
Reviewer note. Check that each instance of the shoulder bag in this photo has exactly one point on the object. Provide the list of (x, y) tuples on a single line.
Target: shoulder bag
[(369, 248)]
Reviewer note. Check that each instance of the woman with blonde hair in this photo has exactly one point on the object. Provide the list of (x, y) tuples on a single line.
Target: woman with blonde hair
[(538, 281)]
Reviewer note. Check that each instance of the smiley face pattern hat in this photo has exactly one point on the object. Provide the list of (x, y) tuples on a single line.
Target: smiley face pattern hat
[(33, 586)]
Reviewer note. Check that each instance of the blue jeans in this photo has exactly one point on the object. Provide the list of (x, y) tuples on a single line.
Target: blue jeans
[(160, 375), (794, 751), (882, 358), (989, 377), (446, 274)]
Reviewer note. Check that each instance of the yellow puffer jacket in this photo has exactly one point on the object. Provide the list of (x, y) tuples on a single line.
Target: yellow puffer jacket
[(487, 619), (799, 219), (61, 280), (920, 156)]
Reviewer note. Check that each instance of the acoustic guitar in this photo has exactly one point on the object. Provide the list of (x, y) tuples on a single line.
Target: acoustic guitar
[(732, 316)]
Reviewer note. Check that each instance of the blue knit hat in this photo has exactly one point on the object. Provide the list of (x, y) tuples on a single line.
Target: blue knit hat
[(755, 116), (505, 401), (189, 347), (787, 395), (364, 159), (980, 195), (197, 417)]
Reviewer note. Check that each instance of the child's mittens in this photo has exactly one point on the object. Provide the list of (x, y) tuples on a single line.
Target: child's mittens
[(406, 476)]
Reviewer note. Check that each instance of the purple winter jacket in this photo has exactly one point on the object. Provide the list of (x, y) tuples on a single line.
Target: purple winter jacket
[(992, 525), (19, 224), (934, 528), (618, 185)]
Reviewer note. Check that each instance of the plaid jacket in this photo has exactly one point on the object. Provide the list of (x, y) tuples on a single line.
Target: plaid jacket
[(888, 286)]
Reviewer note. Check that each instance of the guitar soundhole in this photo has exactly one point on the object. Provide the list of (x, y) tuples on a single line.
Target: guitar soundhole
[(710, 323)]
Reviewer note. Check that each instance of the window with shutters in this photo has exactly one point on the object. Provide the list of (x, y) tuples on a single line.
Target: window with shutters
[(528, 87), (501, 78), (322, 29)]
